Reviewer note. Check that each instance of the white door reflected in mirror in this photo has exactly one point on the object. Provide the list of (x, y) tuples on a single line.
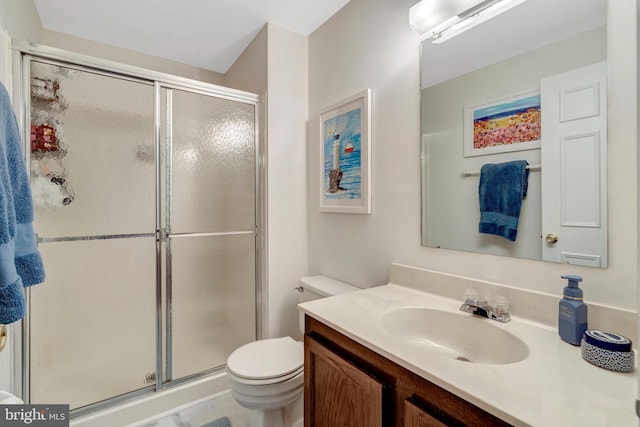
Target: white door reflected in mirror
[(574, 155)]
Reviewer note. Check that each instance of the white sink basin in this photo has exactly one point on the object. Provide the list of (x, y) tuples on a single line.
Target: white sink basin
[(460, 336)]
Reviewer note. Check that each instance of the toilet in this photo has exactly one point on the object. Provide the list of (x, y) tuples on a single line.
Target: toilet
[(267, 375)]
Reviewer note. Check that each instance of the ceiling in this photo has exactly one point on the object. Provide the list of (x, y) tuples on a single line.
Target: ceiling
[(209, 34)]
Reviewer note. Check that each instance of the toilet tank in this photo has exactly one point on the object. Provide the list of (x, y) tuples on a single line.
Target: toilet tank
[(316, 287)]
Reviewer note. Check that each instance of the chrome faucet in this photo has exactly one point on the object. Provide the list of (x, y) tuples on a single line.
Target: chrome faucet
[(496, 311)]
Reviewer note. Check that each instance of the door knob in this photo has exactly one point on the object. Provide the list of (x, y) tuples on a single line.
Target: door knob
[(551, 238)]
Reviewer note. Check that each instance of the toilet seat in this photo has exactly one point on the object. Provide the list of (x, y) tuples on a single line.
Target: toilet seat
[(266, 381), (266, 361)]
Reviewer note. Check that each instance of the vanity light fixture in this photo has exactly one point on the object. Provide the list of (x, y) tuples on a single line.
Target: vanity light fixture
[(440, 20)]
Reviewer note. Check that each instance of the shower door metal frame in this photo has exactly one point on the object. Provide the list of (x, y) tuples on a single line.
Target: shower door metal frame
[(23, 54)]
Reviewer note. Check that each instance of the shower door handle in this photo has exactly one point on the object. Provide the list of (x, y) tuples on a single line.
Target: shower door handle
[(162, 234)]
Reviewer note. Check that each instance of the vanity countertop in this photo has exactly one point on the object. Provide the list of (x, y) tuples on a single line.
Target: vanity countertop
[(553, 386)]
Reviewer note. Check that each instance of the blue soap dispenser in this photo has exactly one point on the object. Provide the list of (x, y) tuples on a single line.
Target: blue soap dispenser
[(572, 316)]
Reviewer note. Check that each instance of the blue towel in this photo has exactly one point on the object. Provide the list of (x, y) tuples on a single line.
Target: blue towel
[(20, 261), (501, 190)]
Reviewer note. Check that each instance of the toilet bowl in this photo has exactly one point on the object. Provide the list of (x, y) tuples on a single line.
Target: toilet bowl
[(267, 375)]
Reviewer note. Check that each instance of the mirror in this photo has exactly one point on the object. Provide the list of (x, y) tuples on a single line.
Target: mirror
[(507, 60)]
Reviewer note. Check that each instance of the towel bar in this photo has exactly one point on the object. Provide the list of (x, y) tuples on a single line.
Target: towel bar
[(476, 172)]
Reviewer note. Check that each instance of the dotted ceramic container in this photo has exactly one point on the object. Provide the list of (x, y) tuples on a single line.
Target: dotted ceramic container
[(608, 350)]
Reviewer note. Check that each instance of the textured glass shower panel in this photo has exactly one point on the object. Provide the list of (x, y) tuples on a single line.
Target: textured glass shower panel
[(93, 320), (213, 164), (213, 302), (92, 157)]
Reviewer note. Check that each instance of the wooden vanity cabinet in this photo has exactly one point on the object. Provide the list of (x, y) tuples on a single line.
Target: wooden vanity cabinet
[(346, 384)]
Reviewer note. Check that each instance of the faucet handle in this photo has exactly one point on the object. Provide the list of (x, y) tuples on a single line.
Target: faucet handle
[(471, 296), (500, 304)]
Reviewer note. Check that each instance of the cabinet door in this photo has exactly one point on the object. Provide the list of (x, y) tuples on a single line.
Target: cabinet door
[(417, 417), (419, 413), (337, 392)]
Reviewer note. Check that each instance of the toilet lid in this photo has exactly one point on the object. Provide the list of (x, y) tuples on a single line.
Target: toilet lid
[(270, 358), (264, 381)]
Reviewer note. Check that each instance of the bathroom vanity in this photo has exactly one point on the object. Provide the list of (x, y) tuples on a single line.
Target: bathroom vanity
[(349, 384), (395, 355)]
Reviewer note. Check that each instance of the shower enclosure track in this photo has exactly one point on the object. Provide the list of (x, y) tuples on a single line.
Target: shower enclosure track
[(136, 235)]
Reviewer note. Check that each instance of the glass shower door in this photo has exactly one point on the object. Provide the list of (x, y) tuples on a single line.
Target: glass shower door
[(210, 217), (92, 322), (145, 199)]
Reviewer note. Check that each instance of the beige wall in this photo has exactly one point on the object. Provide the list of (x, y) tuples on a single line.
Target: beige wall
[(371, 45), (129, 57), (249, 72), (20, 19), (286, 181)]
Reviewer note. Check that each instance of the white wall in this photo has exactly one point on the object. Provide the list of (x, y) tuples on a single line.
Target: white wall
[(369, 44)]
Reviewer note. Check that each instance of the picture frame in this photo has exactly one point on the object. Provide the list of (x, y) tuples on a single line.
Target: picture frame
[(344, 164), (509, 124)]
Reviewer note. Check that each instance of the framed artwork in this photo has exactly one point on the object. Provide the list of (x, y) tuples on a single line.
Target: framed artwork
[(345, 155), (510, 124)]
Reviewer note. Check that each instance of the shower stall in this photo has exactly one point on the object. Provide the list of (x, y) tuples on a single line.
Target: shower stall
[(147, 200)]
